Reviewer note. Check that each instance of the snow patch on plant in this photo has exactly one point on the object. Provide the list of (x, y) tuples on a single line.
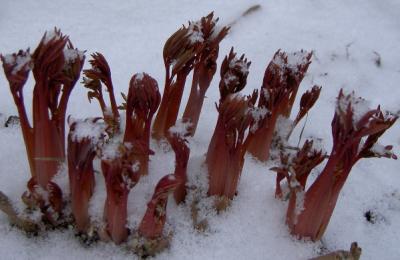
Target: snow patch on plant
[(88, 128), (71, 55), (180, 129)]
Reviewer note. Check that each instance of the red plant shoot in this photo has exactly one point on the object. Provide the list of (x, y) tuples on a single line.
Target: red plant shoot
[(152, 224), (225, 155), (99, 74), (307, 101), (141, 104), (121, 173), (282, 79), (234, 74), (297, 167), (355, 130), (205, 34), (177, 139), (83, 138), (179, 55)]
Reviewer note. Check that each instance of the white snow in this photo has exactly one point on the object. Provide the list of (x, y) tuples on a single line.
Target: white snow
[(299, 206), (296, 59), (258, 114), (235, 62), (358, 105), (229, 77), (291, 60), (195, 33), (111, 150), (72, 54), (139, 76), (283, 127), (135, 166), (131, 35), (19, 61), (181, 128), (88, 129)]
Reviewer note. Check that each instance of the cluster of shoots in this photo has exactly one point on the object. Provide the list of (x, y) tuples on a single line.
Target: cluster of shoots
[(192, 48), (355, 130), (278, 92), (56, 67), (250, 123)]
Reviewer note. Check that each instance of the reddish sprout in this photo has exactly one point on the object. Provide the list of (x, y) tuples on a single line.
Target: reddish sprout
[(282, 79), (121, 173), (177, 139), (152, 224), (355, 129), (205, 34), (83, 139), (234, 74), (225, 155), (99, 74), (179, 56), (141, 104)]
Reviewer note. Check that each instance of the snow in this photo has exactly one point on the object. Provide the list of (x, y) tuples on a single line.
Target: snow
[(131, 35), (283, 127), (194, 32), (180, 128), (139, 76), (297, 58), (111, 150), (242, 64), (72, 54), (229, 77), (135, 166), (88, 129), (258, 114), (19, 61), (299, 206)]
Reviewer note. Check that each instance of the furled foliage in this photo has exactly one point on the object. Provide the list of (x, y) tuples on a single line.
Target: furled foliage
[(234, 74), (203, 33), (141, 104), (177, 139), (121, 175), (307, 101), (355, 130), (179, 55), (193, 47), (297, 166), (225, 155), (281, 82), (152, 224), (99, 74), (83, 140)]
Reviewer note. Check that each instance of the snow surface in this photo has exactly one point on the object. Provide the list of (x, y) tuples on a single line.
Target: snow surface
[(346, 37)]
